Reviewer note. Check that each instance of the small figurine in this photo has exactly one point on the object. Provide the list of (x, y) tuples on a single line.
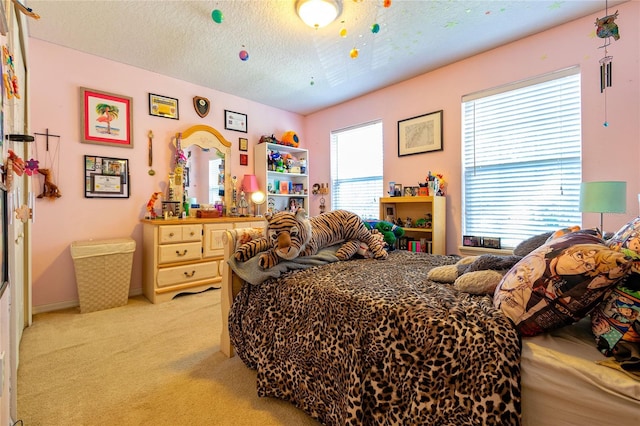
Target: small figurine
[(151, 203), (50, 189), (408, 223)]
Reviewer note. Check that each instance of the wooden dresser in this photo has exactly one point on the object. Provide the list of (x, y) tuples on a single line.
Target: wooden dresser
[(185, 255)]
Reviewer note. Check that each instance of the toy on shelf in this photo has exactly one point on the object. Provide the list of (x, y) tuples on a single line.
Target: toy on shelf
[(151, 203)]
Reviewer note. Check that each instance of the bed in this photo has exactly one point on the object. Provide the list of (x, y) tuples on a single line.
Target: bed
[(375, 342)]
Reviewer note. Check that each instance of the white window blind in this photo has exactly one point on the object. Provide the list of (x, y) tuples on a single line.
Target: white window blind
[(522, 158), (356, 169)]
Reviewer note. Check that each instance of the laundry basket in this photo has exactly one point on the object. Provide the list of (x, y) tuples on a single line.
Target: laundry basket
[(103, 272)]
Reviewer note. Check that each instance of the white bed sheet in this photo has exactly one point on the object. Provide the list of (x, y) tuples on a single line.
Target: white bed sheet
[(562, 384)]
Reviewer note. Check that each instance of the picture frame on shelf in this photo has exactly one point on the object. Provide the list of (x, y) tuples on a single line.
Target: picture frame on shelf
[(397, 191), (420, 134), (390, 213), (163, 106), (471, 241), (244, 159), (235, 121), (106, 118), (408, 191), (243, 144), (491, 242), (106, 177)]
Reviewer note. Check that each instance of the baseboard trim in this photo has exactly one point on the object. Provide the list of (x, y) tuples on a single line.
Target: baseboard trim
[(72, 303)]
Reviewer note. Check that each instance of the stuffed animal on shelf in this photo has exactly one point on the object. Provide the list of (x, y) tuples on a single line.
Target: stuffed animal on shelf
[(290, 235), (290, 138)]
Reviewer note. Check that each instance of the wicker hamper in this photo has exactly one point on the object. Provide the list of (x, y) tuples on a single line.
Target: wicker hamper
[(103, 272)]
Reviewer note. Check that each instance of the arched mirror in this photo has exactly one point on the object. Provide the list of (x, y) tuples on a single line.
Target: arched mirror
[(207, 177)]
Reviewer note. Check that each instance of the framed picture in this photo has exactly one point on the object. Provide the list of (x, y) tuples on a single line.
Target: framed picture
[(397, 190), (106, 177), (420, 134), (491, 242), (244, 144), (244, 159), (390, 213), (235, 121), (408, 191), (106, 118), (162, 106), (295, 204), (471, 241)]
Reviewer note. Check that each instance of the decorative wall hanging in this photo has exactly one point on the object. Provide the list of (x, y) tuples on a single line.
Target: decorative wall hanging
[(106, 177), (163, 106), (606, 28), (106, 118), (201, 105), (420, 134), (235, 121)]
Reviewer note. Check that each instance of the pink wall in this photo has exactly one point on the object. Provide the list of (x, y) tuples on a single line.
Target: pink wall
[(56, 77), (58, 73), (608, 153)]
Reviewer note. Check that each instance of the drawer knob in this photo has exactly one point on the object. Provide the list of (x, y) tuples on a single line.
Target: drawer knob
[(171, 234), (184, 252), (193, 233), (189, 275)]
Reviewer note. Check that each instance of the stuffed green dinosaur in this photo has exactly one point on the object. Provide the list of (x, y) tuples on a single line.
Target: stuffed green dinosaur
[(390, 232)]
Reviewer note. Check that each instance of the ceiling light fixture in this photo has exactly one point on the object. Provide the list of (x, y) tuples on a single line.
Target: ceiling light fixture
[(318, 13)]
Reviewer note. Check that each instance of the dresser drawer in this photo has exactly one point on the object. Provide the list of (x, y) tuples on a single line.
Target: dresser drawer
[(179, 233), (170, 253), (188, 273)]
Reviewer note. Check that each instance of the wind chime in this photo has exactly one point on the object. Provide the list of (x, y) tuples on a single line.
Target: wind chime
[(606, 28)]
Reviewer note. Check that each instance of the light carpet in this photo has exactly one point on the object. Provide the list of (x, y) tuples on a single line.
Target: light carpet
[(140, 364)]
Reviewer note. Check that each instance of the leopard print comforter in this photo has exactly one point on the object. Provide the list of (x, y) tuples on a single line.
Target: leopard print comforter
[(364, 342)]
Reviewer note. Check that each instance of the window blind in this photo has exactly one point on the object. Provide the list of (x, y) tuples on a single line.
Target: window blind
[(357, 168), (522, 158)]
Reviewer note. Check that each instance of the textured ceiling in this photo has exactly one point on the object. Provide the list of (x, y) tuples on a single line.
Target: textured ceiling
[(291, 66)]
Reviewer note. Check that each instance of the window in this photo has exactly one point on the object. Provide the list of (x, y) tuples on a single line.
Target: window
[(522, 158), (356, 169)]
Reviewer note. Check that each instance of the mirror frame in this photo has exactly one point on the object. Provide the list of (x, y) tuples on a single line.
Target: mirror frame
[(207, 137)]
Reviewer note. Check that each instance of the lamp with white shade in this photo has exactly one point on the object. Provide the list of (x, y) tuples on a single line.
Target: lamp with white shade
[(318, 13), (603, 197)]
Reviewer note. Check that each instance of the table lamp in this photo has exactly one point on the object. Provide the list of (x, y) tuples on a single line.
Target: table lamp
[(603, 197), (250, 183)]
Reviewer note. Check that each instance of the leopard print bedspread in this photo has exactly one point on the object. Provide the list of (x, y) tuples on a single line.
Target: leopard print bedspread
[(368, 342)]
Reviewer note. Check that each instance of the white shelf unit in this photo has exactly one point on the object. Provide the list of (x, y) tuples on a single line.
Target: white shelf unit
[(272, 181)]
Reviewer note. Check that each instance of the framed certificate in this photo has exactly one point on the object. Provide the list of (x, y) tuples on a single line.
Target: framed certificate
[(106, 177)]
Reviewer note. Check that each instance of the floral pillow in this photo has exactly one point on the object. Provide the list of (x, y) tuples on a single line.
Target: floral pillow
[(559, 283)]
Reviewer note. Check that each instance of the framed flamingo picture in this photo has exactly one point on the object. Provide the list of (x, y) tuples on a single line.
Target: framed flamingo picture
[(106, 118)]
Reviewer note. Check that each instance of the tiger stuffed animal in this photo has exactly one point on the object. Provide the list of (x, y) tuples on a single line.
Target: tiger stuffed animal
[(289, 235)]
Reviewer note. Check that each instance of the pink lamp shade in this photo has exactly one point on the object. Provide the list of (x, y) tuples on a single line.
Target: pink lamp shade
[(250, 183)]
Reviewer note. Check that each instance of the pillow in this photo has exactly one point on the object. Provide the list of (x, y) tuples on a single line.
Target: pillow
[(559, 283), (616, 324), (530, 244), (627, 239)]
